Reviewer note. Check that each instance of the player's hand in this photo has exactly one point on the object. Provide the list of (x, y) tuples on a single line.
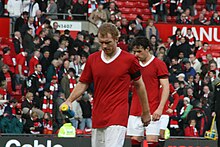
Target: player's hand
[(157, 114), (146, 118), (170, 111), (66, 102)]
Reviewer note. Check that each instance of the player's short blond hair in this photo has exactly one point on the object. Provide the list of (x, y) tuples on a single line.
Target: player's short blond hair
[(108, 28)]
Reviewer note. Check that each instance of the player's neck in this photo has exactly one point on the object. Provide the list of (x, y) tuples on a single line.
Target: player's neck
[(110, 56), (147, 59)]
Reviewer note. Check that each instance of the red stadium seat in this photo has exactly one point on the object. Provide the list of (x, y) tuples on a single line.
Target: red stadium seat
[(129, 4), (141, 5), (125, 10), (119, 4)]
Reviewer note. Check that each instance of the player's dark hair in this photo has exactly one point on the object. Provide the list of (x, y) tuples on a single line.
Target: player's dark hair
[(140, 41)]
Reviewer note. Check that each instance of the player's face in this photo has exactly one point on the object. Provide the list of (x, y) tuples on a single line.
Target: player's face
[(108, 44), (140, 53)]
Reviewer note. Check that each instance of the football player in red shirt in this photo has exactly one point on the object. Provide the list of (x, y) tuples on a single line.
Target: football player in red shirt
[(111, 70), (155, 73)]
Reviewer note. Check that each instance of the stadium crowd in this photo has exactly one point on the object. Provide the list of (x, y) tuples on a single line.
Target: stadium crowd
[(44, 65)]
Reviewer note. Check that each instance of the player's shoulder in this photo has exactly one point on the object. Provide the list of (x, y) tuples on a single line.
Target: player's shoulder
[(94, 55), (158, 61)]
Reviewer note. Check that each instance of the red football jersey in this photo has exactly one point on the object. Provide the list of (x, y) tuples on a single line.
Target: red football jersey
[(111, 82), (21, 60), (151, 72), (33, 62)]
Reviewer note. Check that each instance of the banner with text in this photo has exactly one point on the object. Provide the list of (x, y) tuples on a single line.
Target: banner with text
[(73, 26), (210, 34)]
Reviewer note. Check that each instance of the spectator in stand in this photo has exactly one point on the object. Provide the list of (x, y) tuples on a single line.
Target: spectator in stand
[(67, 130), (38, 19), (27, 42), (46, 45), (202, 20), (184, 47), (159, 9), (52, 71), (185, 109), (201, 54), (191, 130), (122, 43), (33, 124), (190, 37), (23, 19), (207, 94), (211, 5), (67, 36), (7, 59), (32, 8), (173, 7), (30, 24), (112, 19), (10, 80), (214, 78), (68, 82), (189, 4), (45, 25), (183, 19), (14, 8), (17, 40), (45, 61), (98, 16), (198, 45), (78, 113), (112, 9), (124, 26), (177, 36), (63, 6), (151, 30), (188, 14), (59, 116), (188, 69), (215, 20), (52, 8), (190, 80), (195, 63), (153, 44), (33, 62), (21, 68), (79, 8), (35, 85), (86, 112), (10, 124), (212, 63)]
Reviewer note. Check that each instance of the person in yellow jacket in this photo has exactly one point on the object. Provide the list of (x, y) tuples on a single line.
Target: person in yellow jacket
[(67, 130)]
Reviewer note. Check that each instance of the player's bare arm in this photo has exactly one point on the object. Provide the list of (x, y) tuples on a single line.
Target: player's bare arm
[(165, 94), (142, 94), (77, 92)]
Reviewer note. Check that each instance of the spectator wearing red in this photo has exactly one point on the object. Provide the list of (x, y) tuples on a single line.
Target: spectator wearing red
[(21, 66), (191, 130), (45, 24), (202, 53), (9, 79), (190, 37), (33, 62), (54, 86), (68, 82), (7, 59)]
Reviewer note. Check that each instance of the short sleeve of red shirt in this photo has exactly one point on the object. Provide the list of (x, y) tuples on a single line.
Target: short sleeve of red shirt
[(86, 76), (135, 70), (162, 70)]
